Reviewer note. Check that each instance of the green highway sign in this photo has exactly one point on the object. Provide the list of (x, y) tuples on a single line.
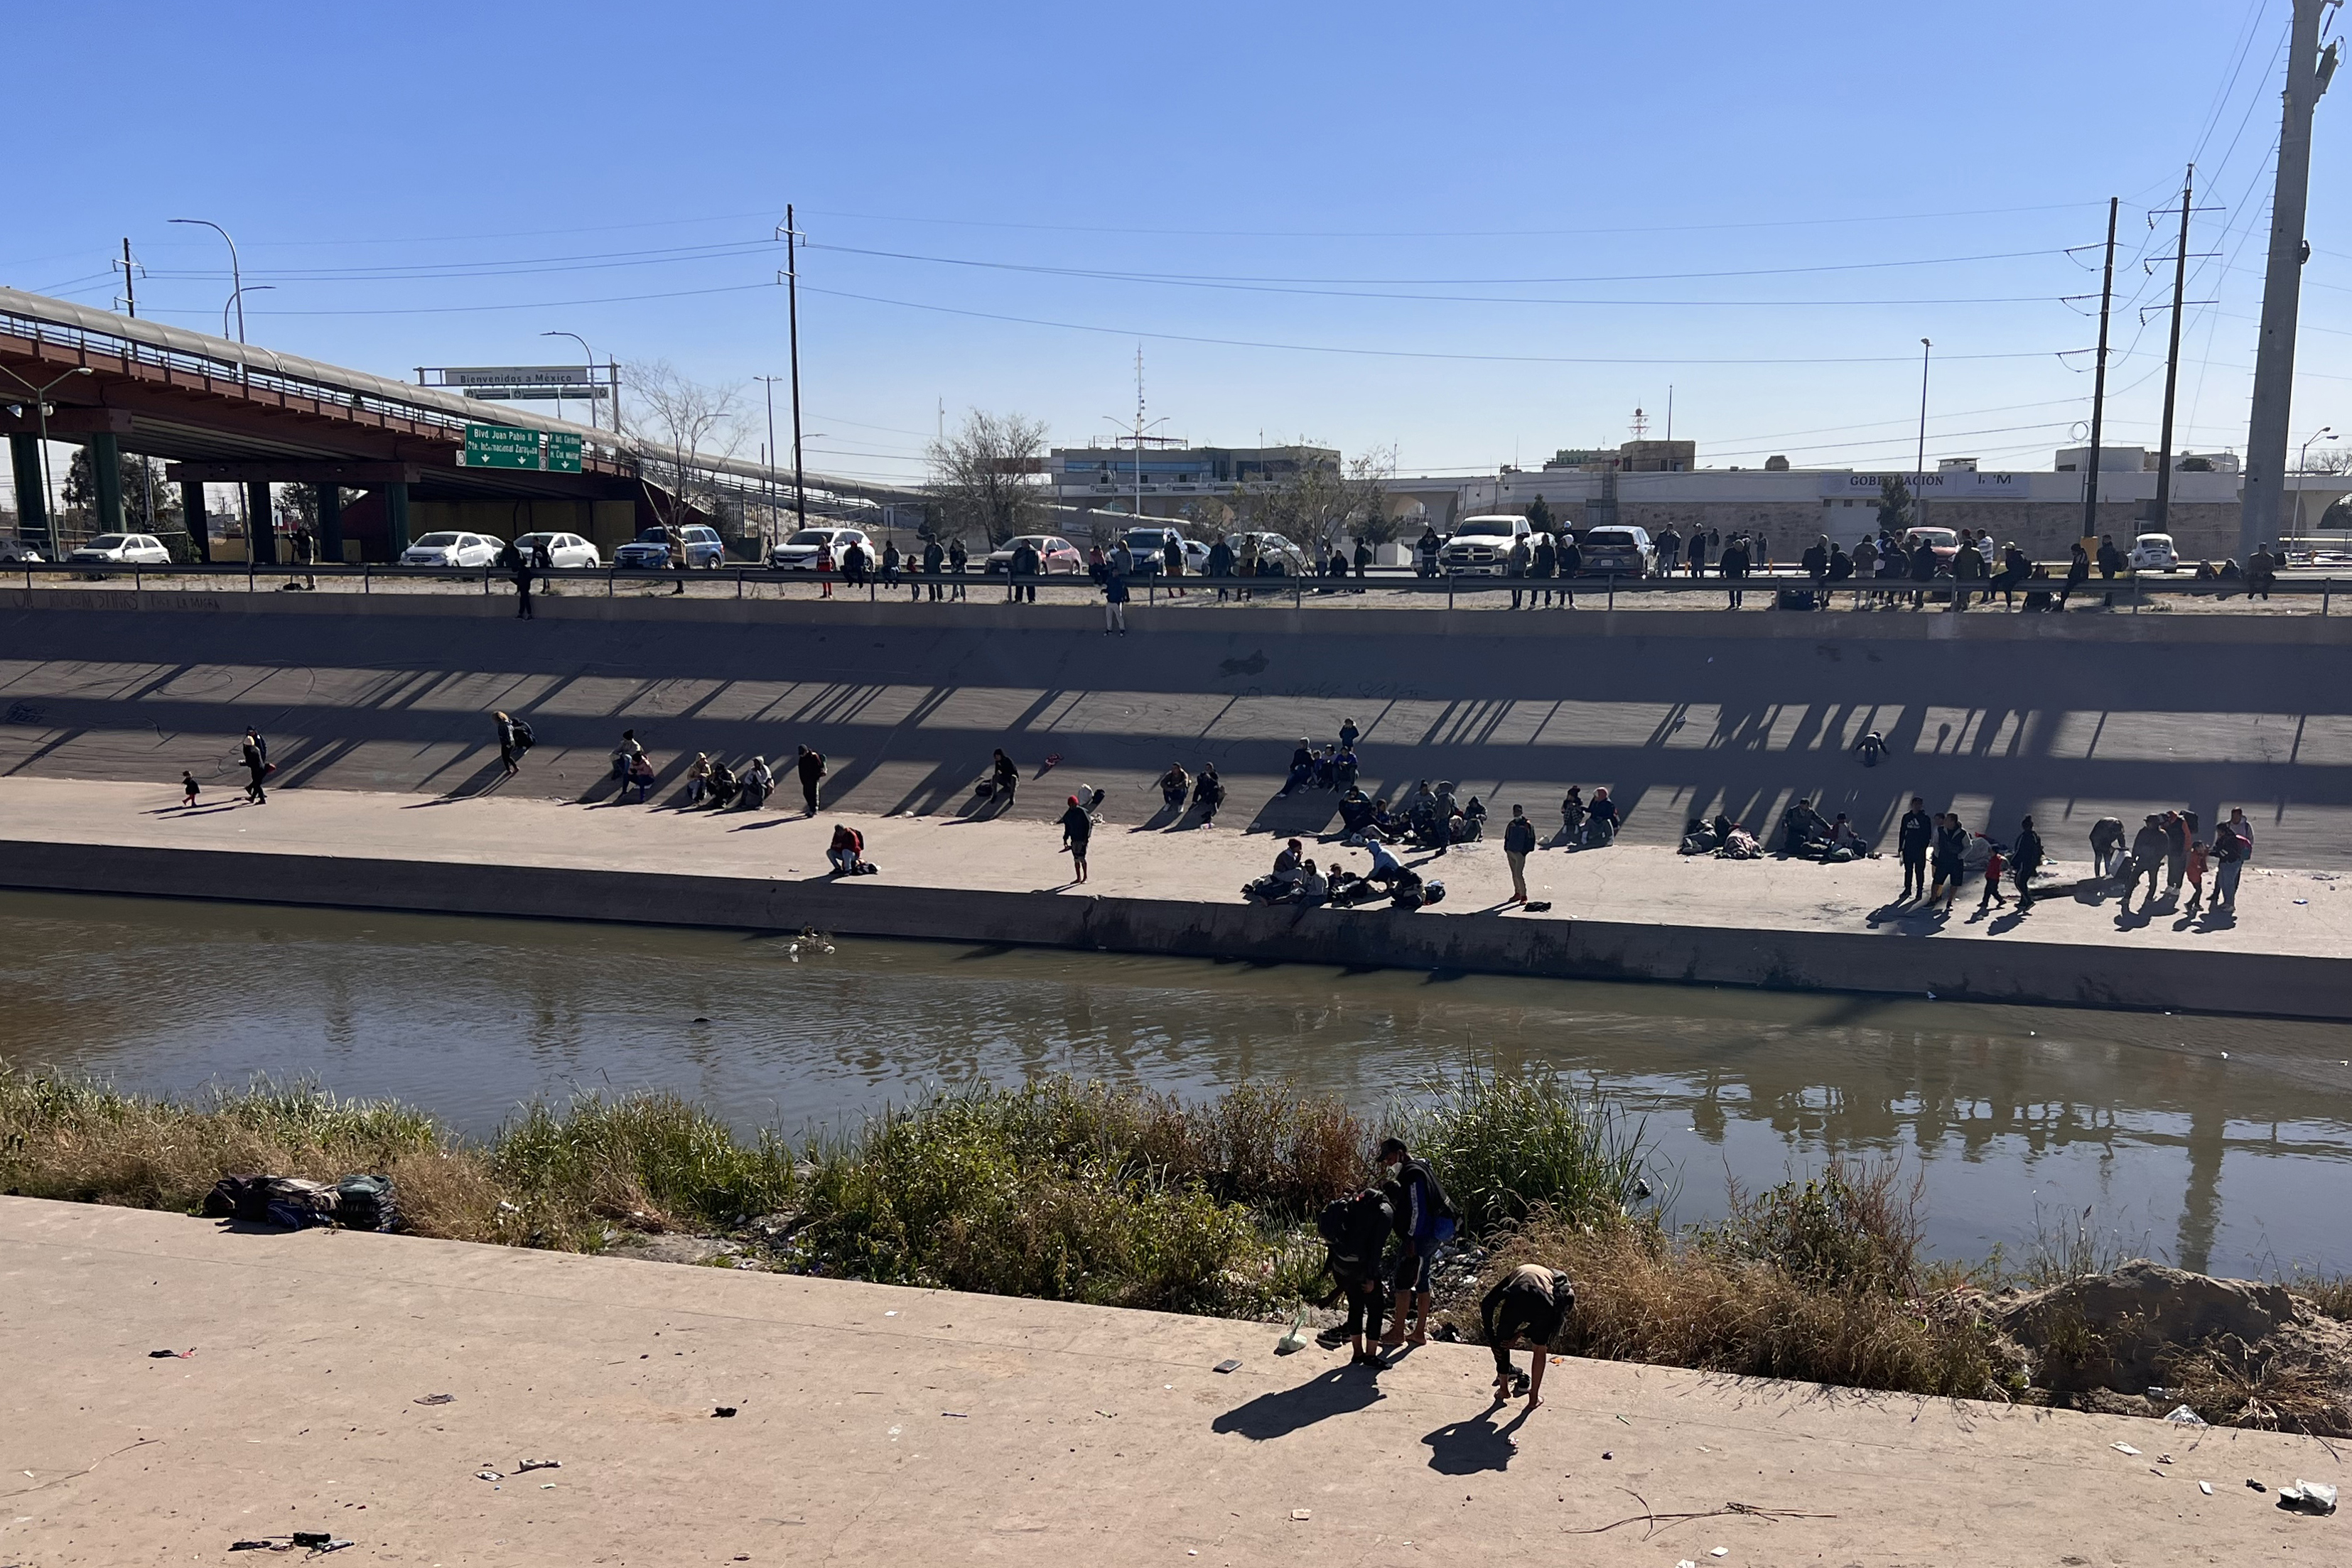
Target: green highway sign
[(564, 453), (503, 447)]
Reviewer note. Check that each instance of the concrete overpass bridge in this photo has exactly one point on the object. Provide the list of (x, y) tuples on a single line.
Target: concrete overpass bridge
[(224, 412)]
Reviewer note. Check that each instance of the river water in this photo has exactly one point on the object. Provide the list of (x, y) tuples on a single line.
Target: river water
[(2020, 1119)]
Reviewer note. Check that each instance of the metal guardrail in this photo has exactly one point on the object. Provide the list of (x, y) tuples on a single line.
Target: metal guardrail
[(1297, 591)]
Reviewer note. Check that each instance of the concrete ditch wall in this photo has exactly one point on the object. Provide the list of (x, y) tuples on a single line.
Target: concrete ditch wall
[(2018, 972)]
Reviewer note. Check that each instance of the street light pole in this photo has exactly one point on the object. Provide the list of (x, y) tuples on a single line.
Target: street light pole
[(768, 385), (2303, 467), (236, 277), (237, 299), (589, 355), (1920, 463), (41, 419), (793, 317)]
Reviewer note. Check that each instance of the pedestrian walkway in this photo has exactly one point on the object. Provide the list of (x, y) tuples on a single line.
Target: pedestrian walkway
[(2281, 910), (388, 1391)]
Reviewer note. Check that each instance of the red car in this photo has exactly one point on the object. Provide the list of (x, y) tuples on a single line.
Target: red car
[(1056, 555)]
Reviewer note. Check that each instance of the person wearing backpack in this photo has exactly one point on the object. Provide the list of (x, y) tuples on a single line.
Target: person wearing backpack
[(1355, 1231), (514, 740), (1423, 1220)]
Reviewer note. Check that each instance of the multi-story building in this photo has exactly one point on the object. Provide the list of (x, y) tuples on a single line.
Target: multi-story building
[(1172, 478)]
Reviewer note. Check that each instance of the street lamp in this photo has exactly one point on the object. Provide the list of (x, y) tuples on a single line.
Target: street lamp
[(236, 297), (235, 278), (1920, 463), (41, 418), (2303, 467), (590, 354)]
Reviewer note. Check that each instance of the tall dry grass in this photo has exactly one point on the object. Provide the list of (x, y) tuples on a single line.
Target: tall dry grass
[(1811, 1280)]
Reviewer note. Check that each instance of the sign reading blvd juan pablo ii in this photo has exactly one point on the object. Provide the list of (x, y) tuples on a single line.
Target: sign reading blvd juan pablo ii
[(500, 446)]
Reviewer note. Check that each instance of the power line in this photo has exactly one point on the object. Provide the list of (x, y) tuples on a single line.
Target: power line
[(1382, 354)]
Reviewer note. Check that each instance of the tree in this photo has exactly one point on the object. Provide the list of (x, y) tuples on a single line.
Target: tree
[(1895, 512), (1540, 516), (1316, 503), (296, 506), (141, 478), (675, 421), (989, 475)]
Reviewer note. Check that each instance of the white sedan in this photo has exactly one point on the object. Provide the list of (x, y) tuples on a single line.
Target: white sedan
[(2154, 552), (453, 549), (800, 553), (565, 552), (124, 549)]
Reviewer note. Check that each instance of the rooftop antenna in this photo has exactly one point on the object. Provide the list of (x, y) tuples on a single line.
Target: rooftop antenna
[(1641, 424)]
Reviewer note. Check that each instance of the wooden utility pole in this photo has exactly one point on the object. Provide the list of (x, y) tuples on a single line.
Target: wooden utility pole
[(2158, 521)]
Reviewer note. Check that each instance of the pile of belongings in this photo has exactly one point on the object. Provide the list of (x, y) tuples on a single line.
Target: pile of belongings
[(1723, 838), (356, 1202)]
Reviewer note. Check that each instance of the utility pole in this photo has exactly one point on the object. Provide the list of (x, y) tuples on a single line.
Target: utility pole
[(1919, 463), (2159, 519), (792, 238), (2266, 436), (2099, 380), (130, 289), (768, 383)]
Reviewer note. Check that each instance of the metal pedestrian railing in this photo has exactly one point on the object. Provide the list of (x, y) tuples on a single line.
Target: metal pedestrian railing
[(1780, 590)]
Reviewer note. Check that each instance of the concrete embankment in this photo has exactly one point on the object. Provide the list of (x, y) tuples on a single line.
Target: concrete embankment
[(878, 1424), (1679, 713), (1629, 913)]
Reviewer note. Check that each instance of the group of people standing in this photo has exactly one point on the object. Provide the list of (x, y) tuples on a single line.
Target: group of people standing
[(2169, 844), (1940, 841)]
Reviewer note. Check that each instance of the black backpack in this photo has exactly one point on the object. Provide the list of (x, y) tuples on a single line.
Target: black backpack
[(1440, 1206), (523, 736), (1356, 1228)]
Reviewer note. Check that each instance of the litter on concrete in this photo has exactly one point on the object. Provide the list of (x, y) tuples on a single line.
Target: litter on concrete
[(2307, 1497), (2124, 1448), (1227, 1365), (723, 1411), (436, 1399), (179, 1354), (1302, 1514), (2205, 1487), (2185, 1416), (529, 1465)]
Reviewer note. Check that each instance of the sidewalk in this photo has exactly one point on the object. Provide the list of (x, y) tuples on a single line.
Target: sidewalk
[(2282, 910), (883, 1425)]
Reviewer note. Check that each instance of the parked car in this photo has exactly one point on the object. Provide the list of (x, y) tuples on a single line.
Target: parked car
[(1055, 555), (1143, 552), (1619, 552), (650, 548), (450, 549), (799, 552), (565, 551), (124, 549), (1482, 546), (1943, 543), (1288, 558), (15, 552), (2154, 552)]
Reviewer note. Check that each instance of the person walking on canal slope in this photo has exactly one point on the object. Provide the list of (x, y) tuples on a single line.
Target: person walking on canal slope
[(811, 768), (254, 755), (514, 740), (1114, 604), (1076, 829), (1912, 838), (1518, 842)]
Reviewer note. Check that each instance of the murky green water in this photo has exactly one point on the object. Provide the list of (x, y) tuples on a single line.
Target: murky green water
[(2016, 1116)]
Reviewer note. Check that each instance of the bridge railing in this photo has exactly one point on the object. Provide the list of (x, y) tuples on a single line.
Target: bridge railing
[(1763, 589)]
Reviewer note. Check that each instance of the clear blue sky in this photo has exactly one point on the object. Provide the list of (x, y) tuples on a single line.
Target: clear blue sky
[(1487, 205)]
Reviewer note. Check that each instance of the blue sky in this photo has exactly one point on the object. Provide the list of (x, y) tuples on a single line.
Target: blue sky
[(1475, 233)]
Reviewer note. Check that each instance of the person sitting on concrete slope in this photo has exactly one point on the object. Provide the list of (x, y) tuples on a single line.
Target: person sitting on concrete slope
[(1356, 812), (1600, 821), (1286, 863), (1805, 833), (1208, 794), (1302, 768), (1174, 785), (723, 787)]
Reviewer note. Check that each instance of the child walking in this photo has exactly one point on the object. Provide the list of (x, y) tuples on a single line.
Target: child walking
[(1994, 869), (188, 798)]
